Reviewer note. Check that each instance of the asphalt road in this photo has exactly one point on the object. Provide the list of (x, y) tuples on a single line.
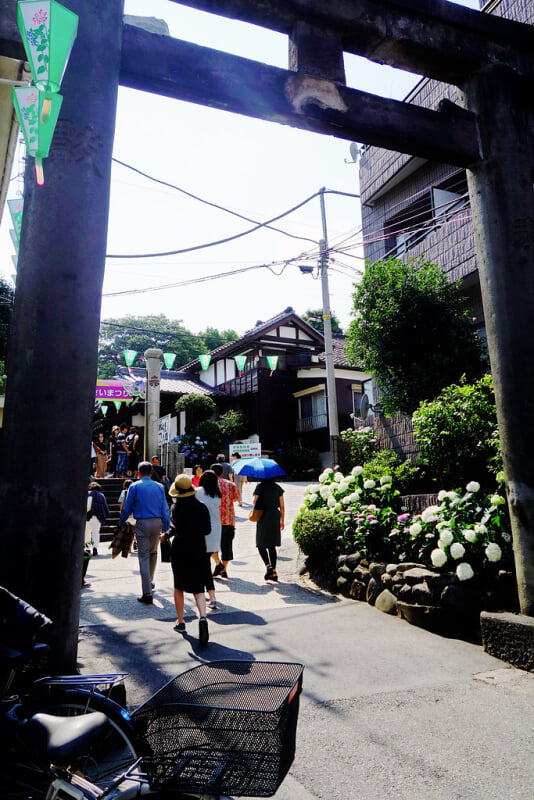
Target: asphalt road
[(387, 709)]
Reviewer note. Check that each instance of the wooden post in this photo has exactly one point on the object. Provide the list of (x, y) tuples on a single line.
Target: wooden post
[(53, 346), (502, 203)]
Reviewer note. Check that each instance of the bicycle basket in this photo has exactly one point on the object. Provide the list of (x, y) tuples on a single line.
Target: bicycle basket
[(227, 727)]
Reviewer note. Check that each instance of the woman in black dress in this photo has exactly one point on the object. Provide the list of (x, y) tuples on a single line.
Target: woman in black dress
[(190, 524), (269, 497)]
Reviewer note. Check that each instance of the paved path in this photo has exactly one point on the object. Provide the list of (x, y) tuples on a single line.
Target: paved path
[(387, 709)]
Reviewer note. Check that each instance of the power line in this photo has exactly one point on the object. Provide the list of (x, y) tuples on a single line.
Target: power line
[(209, 203)]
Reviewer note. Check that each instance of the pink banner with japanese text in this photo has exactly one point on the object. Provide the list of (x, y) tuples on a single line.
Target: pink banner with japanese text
[(113, 390)]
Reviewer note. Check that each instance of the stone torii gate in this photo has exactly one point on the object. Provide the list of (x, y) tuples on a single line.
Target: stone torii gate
[(53, 344)]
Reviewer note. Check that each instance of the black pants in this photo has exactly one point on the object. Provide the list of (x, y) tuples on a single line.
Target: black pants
[(268, 555)]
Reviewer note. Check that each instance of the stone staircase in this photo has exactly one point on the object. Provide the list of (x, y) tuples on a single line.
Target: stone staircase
[(111, 489)]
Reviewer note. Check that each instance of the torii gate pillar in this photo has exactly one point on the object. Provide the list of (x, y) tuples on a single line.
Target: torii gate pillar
[(502, 203), (48, 418)]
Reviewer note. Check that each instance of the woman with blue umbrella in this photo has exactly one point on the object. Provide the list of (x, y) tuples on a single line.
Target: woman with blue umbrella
[(268, 511)]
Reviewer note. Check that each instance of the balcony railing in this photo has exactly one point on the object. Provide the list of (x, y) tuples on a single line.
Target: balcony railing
[(312, 423), (248, 382)]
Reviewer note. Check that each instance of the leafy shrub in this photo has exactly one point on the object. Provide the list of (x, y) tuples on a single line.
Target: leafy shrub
[(232, 423), (407, 476), (317, 532), (197, 407), (210, 433), (457, 433), (359, 445)]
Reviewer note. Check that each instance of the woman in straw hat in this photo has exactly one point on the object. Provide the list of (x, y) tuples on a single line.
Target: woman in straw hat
[(190, 524)]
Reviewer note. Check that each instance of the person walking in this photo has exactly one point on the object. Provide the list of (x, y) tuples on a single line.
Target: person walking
[(239, 480), (208, 492), (229, 496), (269, 498), (146, 501), (132, 445), (113, 450), (97, 513), (228, 475), (190, 562)]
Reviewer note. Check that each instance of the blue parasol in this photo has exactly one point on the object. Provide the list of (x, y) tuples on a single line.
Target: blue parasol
[(258, 468)]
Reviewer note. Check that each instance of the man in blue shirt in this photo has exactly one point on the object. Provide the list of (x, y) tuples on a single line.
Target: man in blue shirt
[(146, 501)]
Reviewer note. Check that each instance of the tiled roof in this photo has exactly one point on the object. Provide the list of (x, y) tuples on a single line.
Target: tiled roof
[(340, 354), (174, 382)]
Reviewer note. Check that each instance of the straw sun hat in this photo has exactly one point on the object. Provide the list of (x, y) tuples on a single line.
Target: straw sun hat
[(182, 487)]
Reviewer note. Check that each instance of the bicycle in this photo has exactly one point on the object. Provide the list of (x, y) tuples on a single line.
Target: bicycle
[(221, 728)]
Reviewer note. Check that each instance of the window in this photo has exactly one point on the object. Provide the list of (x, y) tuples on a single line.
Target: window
[(312, 411)]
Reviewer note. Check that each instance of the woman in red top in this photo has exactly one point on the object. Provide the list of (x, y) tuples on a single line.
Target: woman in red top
[(197, 472)]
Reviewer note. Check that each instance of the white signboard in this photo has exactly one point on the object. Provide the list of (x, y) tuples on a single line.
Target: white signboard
[(164, 430), (246, 449)]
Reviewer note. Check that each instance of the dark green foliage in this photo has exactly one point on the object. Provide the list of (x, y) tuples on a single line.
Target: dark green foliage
[(405, 474), (314, 317), (232, 423), (209, 432), (140, 333), (411, 333), (457, 434), (317, 532), (357, 446), (294, 459), (198, 408)]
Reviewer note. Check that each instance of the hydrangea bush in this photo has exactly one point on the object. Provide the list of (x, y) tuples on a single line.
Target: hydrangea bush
[(193, 448), (466, 532)]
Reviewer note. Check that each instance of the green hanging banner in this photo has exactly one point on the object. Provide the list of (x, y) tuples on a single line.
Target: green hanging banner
[(129, 357), (38, 135), (117, 404), (272, 362), (204, 361), (240, 362), (15, 209), (104, 409), (14, 239), (169, 359), (48, 31)]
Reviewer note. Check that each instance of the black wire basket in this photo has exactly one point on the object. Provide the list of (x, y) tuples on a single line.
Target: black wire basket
[(227, 727)]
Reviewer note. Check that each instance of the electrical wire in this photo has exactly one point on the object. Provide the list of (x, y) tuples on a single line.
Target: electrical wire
[(211, 204)]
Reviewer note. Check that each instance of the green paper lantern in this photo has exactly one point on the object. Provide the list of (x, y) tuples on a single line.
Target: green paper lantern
[(169, 359), (272, 362), (240, 361), (204, 361), (15, 260), (14, 239), (15, 209), (104, 410), (117, 404), (38, 135), (129, 357), (48, 32)]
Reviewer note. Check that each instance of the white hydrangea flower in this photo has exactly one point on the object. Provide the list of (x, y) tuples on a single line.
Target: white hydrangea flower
[(313, 497), (457, 550), (493, 552), (473, 486), (323, 477), (464, 571), (470, 535), (346, 500), (446, 537), (331, 502), (438, 557), (506, 536), (445, 523), (372, 507), (355, 496), (480, 528), (338, 477), (343, 486), (429, 514), (497, 500), (369, 484), (337, 507), (385, 479), (324, 491), (302, 508), (415, 529), (442, 494), (355, 471)]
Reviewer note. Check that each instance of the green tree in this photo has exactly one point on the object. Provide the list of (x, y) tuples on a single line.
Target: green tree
[(314, 317), (140, 333), (198, 408), (411, 332), (6, 303)]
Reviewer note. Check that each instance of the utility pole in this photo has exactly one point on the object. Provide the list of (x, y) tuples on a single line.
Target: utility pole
[(333, 424)]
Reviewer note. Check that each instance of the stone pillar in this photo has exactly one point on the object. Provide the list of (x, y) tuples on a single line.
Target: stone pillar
[(53, 344), (153, 358), (502, 203)]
